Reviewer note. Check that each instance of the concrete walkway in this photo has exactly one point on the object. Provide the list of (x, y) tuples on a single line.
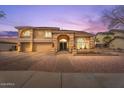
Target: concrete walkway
[(37, 79)]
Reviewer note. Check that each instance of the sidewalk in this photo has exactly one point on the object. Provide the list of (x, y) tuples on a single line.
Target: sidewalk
[(37, 79)]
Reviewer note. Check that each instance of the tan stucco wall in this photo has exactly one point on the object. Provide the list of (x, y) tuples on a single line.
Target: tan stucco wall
[(117, 43), (120, 34), (39, 34)]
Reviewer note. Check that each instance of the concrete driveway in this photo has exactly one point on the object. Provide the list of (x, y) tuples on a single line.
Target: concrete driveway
[(14, 61), (60, 71)]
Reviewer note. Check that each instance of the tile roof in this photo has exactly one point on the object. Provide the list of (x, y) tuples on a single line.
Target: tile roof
[(117, 30), (31, 27), (54, 28)]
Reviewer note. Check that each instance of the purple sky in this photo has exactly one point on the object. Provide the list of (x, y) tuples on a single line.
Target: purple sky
[(86, 18)]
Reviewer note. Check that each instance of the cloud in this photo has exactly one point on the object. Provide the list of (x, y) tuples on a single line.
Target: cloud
[(96, 26), (85, 23), (66, 21)]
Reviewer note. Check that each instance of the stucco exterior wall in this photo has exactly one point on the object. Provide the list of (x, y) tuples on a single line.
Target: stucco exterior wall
[(117, 43), (38, 34), (119, 34)]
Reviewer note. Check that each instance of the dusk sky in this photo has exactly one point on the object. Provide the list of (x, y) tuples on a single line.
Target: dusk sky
[(86, 18)]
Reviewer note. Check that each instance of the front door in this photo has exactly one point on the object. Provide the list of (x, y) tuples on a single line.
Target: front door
[(63, 46)]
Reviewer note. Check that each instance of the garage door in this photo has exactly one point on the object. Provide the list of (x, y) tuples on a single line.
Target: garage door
[(25, 47), (42, 47)]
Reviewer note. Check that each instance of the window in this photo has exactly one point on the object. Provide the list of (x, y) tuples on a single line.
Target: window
[(26, 34), (48, 34), (82, 43)]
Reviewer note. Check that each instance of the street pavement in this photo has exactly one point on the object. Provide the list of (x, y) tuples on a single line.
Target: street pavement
[(38, 79)]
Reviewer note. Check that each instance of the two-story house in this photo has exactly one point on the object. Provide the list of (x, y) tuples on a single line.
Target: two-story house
[(45, 39)]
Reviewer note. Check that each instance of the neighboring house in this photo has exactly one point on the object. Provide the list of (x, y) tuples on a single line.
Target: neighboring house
[(44, 39), (8, 44), (117, 32), (99, 38), (116, 41)]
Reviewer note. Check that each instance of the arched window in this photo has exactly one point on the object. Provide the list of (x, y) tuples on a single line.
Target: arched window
[(26, 34)]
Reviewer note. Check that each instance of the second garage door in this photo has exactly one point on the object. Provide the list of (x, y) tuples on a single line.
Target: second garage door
[(42, 47), (25, 47)]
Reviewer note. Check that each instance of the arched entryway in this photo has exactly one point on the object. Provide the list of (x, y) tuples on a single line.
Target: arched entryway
[(63, 43)]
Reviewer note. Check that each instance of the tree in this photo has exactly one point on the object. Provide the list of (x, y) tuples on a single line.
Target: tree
[(2, 14), (114, 17), (97, 39), (106, 40)]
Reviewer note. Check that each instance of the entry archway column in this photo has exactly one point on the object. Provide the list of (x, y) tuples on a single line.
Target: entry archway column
[(71, 42), (55, 42)]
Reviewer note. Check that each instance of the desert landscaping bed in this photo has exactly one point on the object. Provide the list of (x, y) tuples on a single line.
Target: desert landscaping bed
[(93, 53)]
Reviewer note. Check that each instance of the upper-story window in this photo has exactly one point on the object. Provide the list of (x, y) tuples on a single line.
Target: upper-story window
[(26, 34), (48, 34)]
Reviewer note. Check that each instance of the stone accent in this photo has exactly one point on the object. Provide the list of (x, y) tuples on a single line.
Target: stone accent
[(74, 51)]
